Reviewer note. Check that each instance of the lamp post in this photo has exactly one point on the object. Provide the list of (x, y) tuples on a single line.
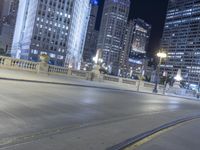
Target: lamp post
[(161, 55)]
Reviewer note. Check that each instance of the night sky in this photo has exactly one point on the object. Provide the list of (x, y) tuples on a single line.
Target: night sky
[(153, 12)]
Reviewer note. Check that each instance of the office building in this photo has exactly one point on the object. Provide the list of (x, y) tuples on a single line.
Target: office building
[(136, 40), (8, 15), (53, 27), (181, 40), (111, 34), (92, 35)]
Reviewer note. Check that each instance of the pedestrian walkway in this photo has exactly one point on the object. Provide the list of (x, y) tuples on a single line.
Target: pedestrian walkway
[(75, 81)]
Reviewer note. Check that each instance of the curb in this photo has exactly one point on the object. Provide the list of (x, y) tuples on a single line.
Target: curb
[(140, 137)]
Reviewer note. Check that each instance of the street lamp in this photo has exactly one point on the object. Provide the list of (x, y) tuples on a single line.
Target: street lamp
[(161, 56)]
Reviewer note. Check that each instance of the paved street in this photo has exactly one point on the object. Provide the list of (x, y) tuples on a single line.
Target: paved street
[(48, 117)]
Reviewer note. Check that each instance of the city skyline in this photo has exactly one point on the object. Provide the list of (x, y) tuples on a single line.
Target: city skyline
[(99, 74), (77, 40), (152, 12)]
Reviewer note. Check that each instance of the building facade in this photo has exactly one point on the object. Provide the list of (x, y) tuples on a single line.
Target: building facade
[(7, 24), (53, 27), (111, 34), (136, 40), (92, 35), (181, 40)]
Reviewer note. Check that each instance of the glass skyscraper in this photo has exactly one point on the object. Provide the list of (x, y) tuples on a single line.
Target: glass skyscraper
[(181, 40), (53, 27), (111, 34), (92, 35)]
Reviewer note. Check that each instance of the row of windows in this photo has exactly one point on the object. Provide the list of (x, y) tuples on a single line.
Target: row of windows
[(58, 4)]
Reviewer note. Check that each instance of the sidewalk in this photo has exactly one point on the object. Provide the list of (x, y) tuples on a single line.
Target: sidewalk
[(27, 76), (75, 81)]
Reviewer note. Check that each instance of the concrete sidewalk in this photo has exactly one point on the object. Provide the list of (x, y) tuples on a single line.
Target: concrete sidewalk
[(6, 74), (27, 76)]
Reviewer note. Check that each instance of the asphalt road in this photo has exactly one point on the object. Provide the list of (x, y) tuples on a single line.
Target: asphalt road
[(48, 117)]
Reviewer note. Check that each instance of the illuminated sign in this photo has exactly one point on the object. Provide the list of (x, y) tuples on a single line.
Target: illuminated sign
[(139, 40)]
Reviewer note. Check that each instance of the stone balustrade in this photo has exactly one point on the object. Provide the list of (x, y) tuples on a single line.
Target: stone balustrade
[(111, 78), (44, 68), (80, 73), (2, 60), (148, 85), (57, 70), (18, 64), (129, 81)]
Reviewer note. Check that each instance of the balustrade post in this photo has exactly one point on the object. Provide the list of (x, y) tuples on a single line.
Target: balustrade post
[(69, 72), (95, 73), (7, 62), (42, 68)]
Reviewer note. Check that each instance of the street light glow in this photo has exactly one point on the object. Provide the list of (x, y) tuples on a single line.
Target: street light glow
[(178, 77), (95, 59), (162, 55)]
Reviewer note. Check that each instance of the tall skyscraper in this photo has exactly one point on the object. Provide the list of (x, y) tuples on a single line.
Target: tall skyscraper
[(181, 39), (136, 41), (1, 7), (92, 35), (9, 12), (7, 24), (113, 24), (53, 27)]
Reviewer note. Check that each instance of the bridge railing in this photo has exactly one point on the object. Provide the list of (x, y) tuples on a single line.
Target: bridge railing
[(2, 60), (41, 67), (18, 64), (110, 78), (57, 70)]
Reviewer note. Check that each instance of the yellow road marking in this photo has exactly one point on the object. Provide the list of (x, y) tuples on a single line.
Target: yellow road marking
[(153, 136)]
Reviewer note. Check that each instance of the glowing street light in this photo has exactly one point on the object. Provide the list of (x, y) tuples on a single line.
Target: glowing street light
[(178, 77), (97, 58), (160, 55)]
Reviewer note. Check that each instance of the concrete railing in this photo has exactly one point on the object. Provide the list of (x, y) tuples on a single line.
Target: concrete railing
[(18, 64), (80, 73), (44, 68), (57, 70), (39, 67), (148, 85), (129, 81), (111, 78)]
